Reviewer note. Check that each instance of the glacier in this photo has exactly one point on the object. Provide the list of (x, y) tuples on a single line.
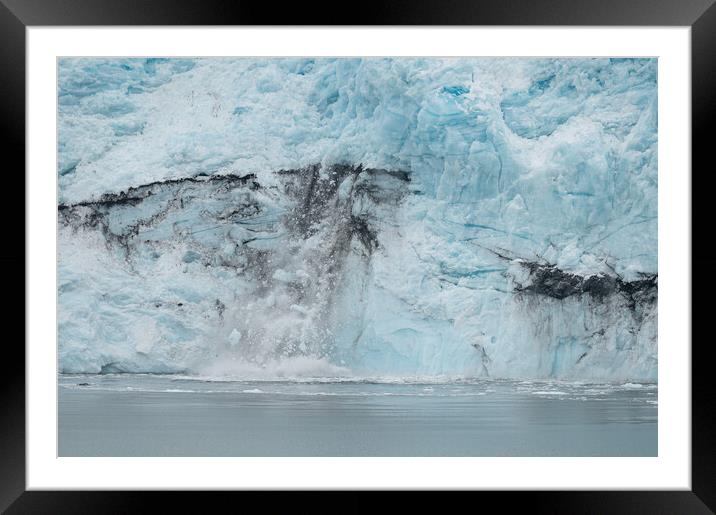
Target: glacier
[(377, 217)]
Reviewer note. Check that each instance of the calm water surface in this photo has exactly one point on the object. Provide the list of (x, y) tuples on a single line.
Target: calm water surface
[(145, 415)]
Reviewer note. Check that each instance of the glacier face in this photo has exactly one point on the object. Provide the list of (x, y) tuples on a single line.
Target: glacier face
[(373, 217)]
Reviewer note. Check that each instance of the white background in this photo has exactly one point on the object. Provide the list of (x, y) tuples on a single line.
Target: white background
[(671, 469)]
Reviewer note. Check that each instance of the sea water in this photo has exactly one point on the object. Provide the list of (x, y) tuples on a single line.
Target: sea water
[(174, 415)]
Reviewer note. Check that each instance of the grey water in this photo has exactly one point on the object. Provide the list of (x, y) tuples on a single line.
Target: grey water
[(149, 415)]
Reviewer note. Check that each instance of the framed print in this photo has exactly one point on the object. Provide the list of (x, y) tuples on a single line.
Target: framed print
[(393, 255)]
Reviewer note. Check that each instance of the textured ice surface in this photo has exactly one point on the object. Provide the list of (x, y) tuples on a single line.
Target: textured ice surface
[(484, 211)]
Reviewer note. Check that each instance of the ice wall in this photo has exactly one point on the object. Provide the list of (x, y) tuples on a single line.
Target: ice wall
[(475, 217)]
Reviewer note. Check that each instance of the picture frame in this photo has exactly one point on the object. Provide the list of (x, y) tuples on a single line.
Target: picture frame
[(700, 15)]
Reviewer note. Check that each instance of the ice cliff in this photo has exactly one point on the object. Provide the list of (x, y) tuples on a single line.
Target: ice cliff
[(368, 217)]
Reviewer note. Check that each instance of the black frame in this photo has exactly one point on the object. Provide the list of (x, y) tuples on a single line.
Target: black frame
[(15, 15)]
